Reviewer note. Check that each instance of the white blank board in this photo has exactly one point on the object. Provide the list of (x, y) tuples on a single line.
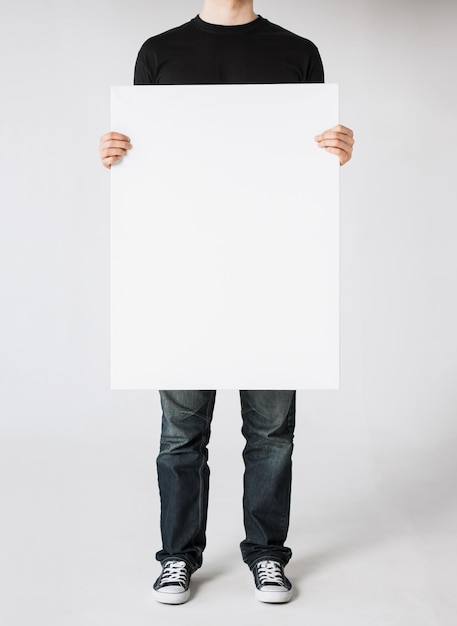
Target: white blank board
[(225, 238)]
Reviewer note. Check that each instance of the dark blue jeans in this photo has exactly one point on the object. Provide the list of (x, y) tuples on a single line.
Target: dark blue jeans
[(183, 473)]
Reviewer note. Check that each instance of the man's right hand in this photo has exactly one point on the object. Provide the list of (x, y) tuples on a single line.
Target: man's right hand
[(113, 146)]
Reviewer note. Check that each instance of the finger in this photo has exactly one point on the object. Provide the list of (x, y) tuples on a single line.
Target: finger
[(341, 130), (114, 135), (107, 162), (343, 156), (115, 145), (339, 147), (335, 143), (112, 143), (112, 152), (330, 135)]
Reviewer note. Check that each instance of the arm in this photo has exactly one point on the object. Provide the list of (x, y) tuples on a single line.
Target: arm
[(113, 145), (338, 140)]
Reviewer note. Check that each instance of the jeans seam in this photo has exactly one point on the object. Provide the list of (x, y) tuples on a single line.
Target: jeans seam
[(200, 475), (203, 444)]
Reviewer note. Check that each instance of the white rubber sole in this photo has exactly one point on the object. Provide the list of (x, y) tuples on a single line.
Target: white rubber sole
[(171, 598), (274, 597)]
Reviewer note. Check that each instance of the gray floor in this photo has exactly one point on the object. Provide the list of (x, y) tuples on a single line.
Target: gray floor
[(373, 534)]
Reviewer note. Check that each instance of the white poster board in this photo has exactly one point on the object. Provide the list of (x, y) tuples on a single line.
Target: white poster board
[(225, 238)]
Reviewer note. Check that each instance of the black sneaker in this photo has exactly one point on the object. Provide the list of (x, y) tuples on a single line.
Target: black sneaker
[(172, 586), (271, 584)]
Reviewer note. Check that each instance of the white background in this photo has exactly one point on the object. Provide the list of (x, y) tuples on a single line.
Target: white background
[(374, 517)]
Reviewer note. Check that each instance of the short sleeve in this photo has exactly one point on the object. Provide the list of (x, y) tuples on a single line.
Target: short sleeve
[(315, 72), (144, 68)]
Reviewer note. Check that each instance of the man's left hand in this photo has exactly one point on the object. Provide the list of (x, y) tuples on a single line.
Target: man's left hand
[(337, 140)]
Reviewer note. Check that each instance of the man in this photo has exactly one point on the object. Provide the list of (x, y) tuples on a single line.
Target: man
[(226, 43)]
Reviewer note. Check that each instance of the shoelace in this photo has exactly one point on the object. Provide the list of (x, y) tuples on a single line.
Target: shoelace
[(270, 572), (174, 572)]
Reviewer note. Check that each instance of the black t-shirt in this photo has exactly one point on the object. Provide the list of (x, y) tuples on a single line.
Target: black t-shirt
[(202, 53)]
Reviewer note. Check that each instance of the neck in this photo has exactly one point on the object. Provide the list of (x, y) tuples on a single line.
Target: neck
[(228, 12)]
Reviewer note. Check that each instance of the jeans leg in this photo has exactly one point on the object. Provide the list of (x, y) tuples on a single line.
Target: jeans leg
[(183, 474), (268, 427)]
